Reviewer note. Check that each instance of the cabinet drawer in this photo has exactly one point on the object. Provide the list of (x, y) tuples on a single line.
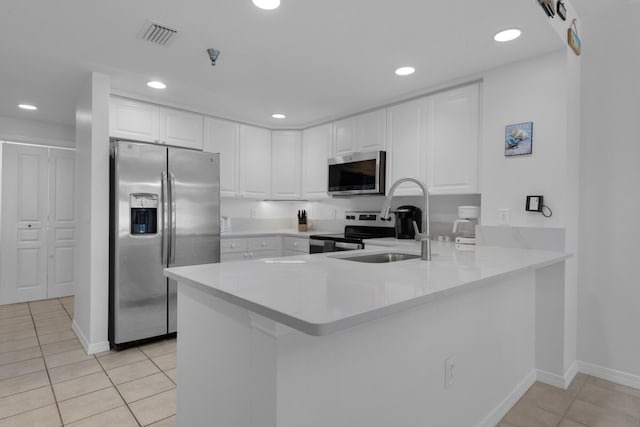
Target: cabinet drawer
[(263, 254), (235, 256), (296, 244), (263, 243), (233, 245)]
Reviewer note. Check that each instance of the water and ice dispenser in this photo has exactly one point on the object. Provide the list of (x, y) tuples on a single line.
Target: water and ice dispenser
[(144, 213)]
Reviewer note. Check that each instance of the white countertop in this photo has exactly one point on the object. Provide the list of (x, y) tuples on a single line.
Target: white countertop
[(289, 232), (320, 294)]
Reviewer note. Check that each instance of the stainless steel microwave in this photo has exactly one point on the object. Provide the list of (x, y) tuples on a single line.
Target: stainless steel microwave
[(357, 173)]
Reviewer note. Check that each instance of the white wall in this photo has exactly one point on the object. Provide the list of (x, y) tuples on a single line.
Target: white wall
[(545, 91), (527, 91), (36, 132), (90, 321), (609, 293)]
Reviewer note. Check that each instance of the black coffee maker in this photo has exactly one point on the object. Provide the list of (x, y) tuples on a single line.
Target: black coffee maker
[(405, 215)]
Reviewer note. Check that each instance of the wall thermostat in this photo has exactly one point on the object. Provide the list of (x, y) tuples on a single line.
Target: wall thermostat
[(536, 204)]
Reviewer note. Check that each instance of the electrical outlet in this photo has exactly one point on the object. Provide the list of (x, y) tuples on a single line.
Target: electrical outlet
[(252, 212), (449, 372), (504, 216), (334, 213)]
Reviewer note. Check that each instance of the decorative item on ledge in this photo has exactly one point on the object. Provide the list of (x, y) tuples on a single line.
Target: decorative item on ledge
[(572, 38), (547, 5), (562, 10), (302, 220)]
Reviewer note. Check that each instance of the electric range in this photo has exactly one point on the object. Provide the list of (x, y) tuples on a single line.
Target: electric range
[(360, 225)]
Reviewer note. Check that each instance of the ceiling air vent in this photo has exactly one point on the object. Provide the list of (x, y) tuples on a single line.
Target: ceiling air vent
[(158, 34)]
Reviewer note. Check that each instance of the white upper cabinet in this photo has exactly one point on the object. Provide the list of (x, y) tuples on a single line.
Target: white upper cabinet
[(406, 135), (223, 136), (452, 141), (141, 121), (316, 145), (134, 120), (286, 148), (255, 162), (181, 128), (371, 131), (365, 132)]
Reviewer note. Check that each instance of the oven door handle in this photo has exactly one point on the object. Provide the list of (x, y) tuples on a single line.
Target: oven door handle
[(347, 246)]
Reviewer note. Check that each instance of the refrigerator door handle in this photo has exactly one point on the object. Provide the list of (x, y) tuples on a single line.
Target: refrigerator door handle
[(172, 252), (164, 249)]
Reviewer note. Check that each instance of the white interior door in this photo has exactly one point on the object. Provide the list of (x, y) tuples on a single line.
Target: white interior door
[(23, 256), (62, 224)]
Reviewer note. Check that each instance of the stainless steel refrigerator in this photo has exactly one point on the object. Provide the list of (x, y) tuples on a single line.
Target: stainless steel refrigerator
[(165, 212)]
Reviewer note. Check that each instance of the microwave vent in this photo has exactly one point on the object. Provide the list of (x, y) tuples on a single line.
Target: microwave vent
[(158, 34)]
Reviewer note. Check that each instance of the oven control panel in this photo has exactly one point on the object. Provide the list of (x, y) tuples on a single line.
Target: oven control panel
[(370, 218)]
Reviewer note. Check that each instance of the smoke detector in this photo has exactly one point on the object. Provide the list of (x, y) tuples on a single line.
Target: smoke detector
[(158, 34)]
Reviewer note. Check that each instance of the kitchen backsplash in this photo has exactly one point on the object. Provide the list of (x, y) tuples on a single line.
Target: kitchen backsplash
[(328, 215)]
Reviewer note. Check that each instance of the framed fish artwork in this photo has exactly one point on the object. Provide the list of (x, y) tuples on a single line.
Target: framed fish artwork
[(518, 139)]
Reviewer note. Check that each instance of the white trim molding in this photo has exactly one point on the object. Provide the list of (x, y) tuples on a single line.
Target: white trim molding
[(609, 374), (555, 380), (89, 348), (494, 417)]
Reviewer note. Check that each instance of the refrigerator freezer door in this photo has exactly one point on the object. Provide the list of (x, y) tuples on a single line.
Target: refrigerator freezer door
[(195, 188), (139, 289)]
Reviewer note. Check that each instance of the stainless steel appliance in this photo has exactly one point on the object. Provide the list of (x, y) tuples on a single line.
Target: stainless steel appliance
[(357, 173), (359, 226), (165, 212)]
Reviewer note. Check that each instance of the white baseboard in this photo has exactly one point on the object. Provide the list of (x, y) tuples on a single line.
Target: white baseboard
[(505, 406), (558, 380), (90, 348), (609, 374)]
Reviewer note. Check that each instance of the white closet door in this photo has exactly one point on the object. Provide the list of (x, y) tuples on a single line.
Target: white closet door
[(62, 224), (23, 257)]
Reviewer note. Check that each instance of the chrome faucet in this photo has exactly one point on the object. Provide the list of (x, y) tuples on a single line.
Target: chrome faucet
[(424, 237)]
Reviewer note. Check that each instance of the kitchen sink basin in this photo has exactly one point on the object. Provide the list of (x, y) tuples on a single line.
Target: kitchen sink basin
[(381, 258)]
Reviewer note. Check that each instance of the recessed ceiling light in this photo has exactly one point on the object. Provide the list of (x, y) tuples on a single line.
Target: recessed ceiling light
[(279, 116), (156, 85), (507, 35), (267, 4), (28, 107), (405, 71)]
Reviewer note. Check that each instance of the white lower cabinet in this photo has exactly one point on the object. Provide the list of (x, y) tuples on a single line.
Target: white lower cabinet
[(244, 249), (295, 245), (250, 248)]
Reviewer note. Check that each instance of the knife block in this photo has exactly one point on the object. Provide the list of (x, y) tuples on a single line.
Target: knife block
[(302, 227)]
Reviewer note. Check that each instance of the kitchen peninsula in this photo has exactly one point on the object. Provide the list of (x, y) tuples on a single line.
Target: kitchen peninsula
[(316, 340)]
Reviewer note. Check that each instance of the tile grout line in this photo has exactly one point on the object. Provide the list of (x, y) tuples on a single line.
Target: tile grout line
[(120, 394), (46, 368)]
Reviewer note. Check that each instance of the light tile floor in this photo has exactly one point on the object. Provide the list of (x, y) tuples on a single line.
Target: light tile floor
[(588, 401), (46, 378)]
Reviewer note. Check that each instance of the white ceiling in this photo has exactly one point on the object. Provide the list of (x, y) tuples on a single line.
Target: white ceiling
[(314, 60)]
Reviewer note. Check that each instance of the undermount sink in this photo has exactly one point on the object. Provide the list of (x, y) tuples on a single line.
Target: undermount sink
[(381, 258)]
